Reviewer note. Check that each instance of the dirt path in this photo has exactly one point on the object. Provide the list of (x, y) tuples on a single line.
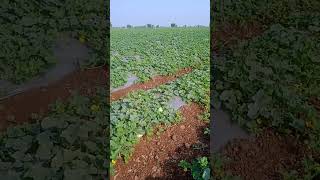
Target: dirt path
[(158, 157)]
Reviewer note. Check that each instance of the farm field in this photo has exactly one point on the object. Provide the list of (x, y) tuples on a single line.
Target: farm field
[(143, 53), (53, 109), (268, 83), (144, 118)]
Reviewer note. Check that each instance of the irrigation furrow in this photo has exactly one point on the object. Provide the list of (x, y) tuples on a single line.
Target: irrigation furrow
[(153, 83)]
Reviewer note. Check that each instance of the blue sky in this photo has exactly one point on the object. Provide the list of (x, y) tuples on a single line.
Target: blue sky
[(159, 12)]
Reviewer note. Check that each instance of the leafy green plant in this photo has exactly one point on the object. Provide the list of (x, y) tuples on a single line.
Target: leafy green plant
[(200, 168), (206, 131)]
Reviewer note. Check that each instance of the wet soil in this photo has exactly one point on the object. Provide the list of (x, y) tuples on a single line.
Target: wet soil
[(176, 102), (19, 108), (131, 80), (154, 82), (223, 130), (68, 52), (158, 157)]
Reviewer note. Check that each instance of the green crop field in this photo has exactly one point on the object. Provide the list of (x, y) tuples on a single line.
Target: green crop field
[(146, 53), (282, 65), (70, 141), (269, 81), (149, 52), (29, 28)]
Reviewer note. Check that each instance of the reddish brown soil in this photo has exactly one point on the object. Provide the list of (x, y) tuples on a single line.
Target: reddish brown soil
[(154, 82), (263, 157), (158, 157), (36, 100)]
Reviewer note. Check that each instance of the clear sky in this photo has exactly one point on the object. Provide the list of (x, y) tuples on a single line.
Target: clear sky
[(159, 12)]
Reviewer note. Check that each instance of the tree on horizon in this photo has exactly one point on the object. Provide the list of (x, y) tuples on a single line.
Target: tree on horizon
[(173, 25)]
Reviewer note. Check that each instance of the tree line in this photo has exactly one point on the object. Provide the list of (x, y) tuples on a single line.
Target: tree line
[(172, 25)]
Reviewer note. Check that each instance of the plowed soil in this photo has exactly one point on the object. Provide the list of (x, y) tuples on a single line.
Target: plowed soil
[(264, 157)]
